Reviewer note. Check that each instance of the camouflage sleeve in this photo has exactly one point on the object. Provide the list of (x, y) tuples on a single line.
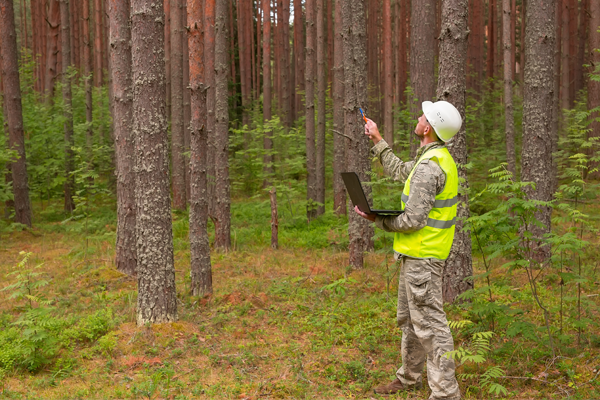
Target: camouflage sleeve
[(392, 165), (426, 182)]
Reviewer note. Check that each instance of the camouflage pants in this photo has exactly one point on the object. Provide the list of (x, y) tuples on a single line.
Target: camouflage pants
[(425, 332)]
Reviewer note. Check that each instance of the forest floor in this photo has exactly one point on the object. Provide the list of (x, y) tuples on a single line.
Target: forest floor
[(288, 323)]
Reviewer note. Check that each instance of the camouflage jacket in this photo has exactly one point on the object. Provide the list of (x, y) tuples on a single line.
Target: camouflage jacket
[(427, 181)]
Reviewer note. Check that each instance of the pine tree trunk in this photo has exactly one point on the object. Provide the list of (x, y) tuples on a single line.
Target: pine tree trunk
[(9, 68), (157, 301), (266, 72), (43, 32), (75, 34), (593, 59), (388, 87), (508, 104), (422, 61), (402, 50), (284, 54), (87, 71), (299, 57), (222, 196), (339, 141), (120, 60), (536, 157), (53, 31), (513, 38), (257, 86), (360, 230), (187, 108), (321, 87), (168, 40), (372, 107), (452, 88), (491, 38), (209, 75), (177, 126), (201, 273), (522, 50), (65, 35), (243, 43), (572, 50), (311, 156), (581, 41), (564, 87), (329, 18), (98, 77)]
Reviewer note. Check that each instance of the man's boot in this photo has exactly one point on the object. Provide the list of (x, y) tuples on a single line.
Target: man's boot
[(392, 388)]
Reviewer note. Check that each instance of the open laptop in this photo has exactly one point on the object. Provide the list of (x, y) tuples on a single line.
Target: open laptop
[(357, 195)]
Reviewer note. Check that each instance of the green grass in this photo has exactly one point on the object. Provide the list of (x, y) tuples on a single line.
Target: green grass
[(292, 323)]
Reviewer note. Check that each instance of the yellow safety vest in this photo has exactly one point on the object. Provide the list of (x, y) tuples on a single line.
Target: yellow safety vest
[(435, 239)]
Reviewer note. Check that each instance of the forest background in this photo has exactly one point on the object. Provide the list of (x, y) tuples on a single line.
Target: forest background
[(175, 225)]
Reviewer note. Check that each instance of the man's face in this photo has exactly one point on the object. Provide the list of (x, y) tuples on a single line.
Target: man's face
[(423, 127)]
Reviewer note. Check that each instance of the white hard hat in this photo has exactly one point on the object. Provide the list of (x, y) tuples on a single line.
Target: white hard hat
[(444, 118)]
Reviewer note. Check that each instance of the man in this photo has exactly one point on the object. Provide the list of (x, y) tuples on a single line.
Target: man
[(423, 237)]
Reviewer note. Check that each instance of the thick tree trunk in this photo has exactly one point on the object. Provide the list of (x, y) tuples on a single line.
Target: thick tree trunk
[(266, 71), (311, 159), (120, 60), (222, 196), (9, 66), (508, 103), (537, 163), (593, 59), (187, 107), (98, 73), (299, 56), (422, 61), (388, 88), (201, 273), (321, 87), (452, 88), (65, 35), (53, 35), (177, 126), (339, 141), (157, 301), (373, 89), (360, 230)]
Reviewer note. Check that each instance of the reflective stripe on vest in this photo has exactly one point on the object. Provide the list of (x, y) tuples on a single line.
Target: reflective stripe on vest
[(435, 239)]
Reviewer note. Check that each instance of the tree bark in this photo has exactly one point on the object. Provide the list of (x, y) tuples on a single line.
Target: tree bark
[(360, 230), (311, 159), (243, 43), (452, 88), (581, 41), (299, 57), (157, 301), (187, 108), (14, 111), (402, 50), (284, 55), (491, 38), (388, 87), (168, 40), (536, 157), (422, 61), (593, 59), (266, 66), (201, 273), (565, 65), (65, 35), (572, 50), (209, 75), (53, 34), (177, 126), (339, 141), (513, 37), (222, 196), (76, 34), (98, 73), (508, 103), (120, 60), (321, 87), (87, 71)]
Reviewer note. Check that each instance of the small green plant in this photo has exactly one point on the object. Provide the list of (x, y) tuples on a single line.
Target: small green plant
[(476, 352)]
